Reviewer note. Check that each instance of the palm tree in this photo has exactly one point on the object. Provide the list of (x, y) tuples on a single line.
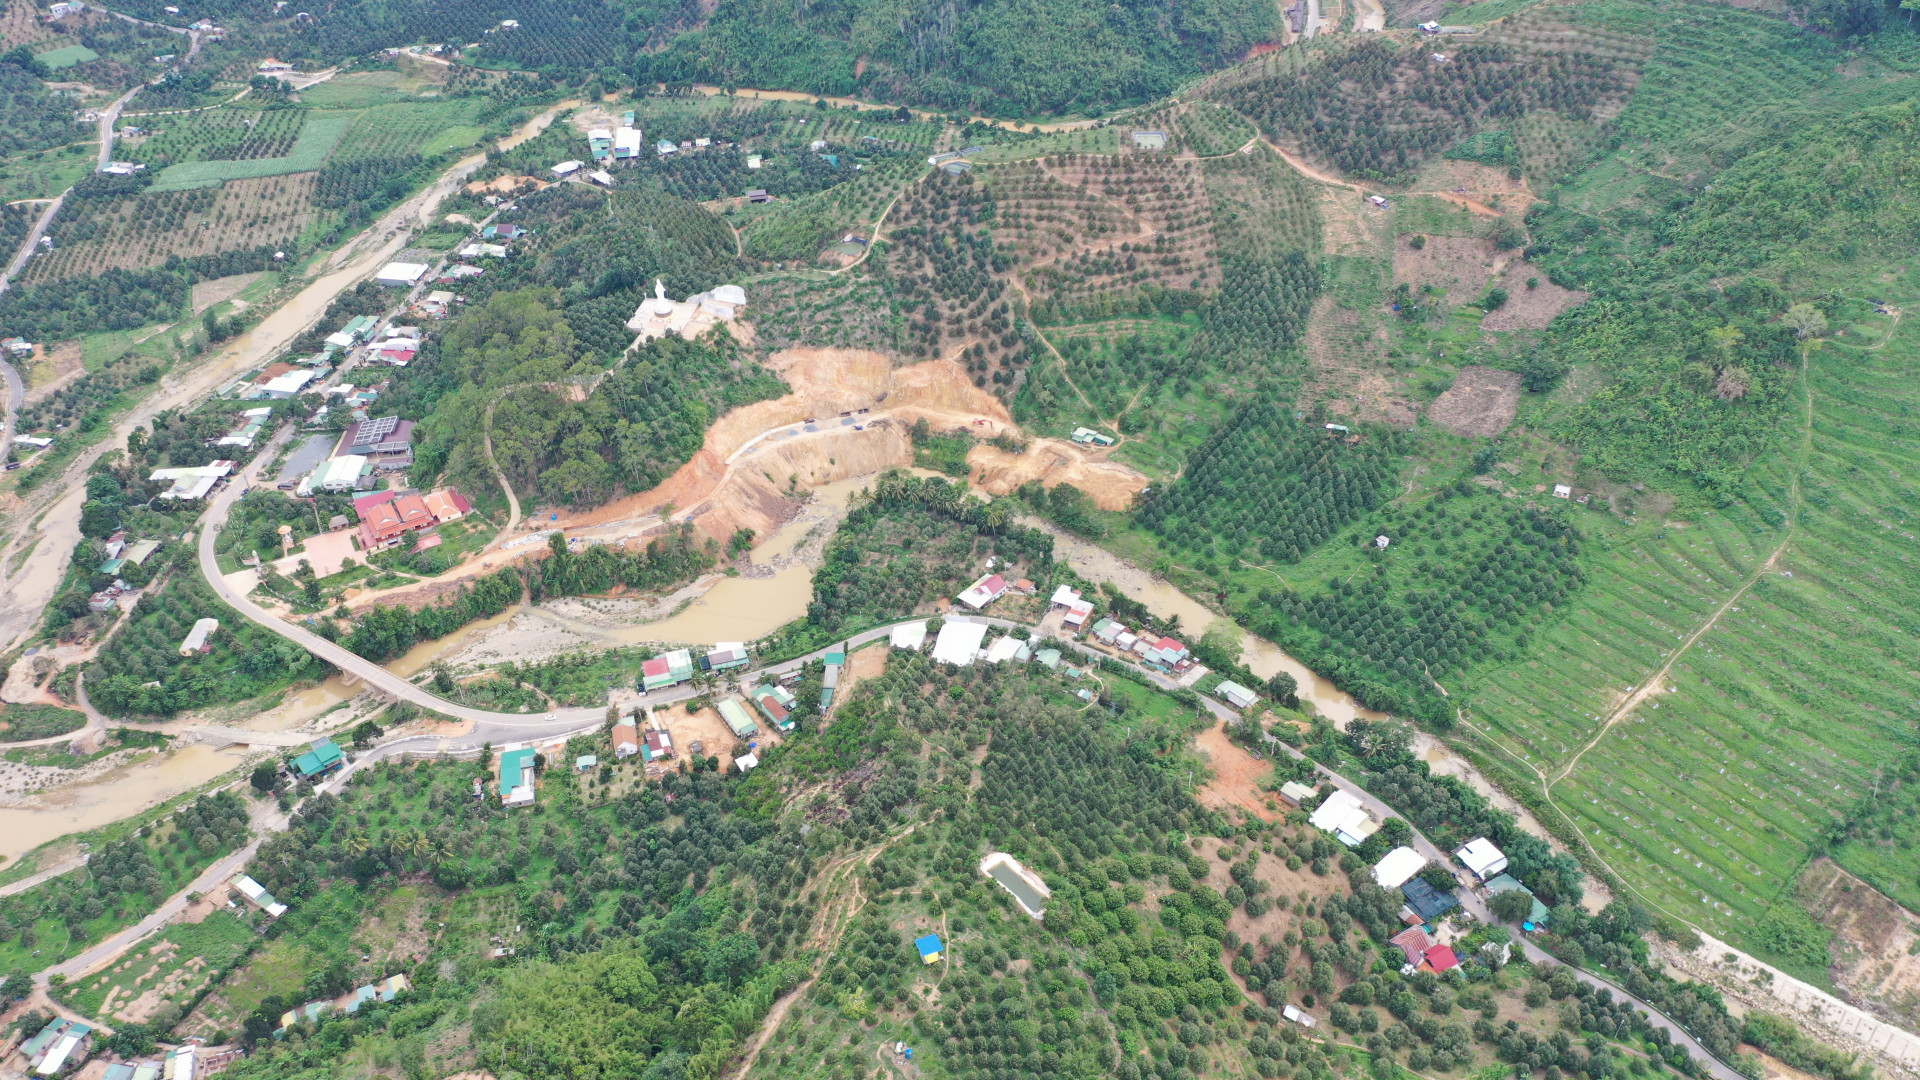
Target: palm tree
[(357, 843)]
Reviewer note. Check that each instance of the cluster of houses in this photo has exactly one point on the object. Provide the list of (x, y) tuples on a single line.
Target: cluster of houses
[(369, 446), (60, 1044), (1343, 815), (350, 1002)]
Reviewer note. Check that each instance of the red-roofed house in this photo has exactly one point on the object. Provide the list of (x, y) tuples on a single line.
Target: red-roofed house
[(984, 592), (365, 503), (1440, 958), (447, 504), (1414, 942), (388, 522)]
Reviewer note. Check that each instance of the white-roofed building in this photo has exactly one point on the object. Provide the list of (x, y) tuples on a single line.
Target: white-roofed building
[(1343, 815), (258, 894), (568, 168), (1236, 695), (289, 384), (1399, 867), (196, 639), (983, 592), (193, 482), (343, 473), (626, 143), (401, 273), (1003, 649), (959, 642), (908, 635), (1483, 858)]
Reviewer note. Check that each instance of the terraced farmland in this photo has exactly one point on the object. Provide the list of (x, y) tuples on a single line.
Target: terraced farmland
[(1771, 723)]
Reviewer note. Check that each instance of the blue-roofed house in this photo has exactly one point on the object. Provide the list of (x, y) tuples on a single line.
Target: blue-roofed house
[(932, 950)]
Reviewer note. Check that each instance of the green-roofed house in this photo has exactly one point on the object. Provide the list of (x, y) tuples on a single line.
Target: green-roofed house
[(516, 778), (321, 758), (1505, 883)]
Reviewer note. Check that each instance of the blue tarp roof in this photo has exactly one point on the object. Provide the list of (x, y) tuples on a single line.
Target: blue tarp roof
[(929, 945)]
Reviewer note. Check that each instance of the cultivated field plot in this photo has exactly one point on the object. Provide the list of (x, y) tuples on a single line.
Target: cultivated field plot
[(843, 312), (220, 135), (150, 982), (23, 24), (360, 89), (306, 154), (1192, 129), (141, 230), (1087, 225), (66, 56), (1708, 797)]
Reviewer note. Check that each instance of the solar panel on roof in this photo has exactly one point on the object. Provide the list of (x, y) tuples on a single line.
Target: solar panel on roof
[(374, 430)]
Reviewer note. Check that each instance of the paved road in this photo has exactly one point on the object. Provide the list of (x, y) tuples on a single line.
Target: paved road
[(16, 397), (489, 725), (25, 252), (107, 121)]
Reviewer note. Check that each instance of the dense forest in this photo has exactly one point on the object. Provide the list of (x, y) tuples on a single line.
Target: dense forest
[(996, 58), (645, 419)]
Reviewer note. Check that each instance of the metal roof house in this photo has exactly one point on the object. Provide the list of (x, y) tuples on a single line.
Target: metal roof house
[(984, 591), (932, 949), (776, 702), (1343, 815), (1483, 858), (1399, 866), (726, 655), (516, 778), (1426, 901), (198, 639), (321, 758), (258, 894), (1236, 695), (738, 720), (667, 669), (626, 740), (1505, 883)]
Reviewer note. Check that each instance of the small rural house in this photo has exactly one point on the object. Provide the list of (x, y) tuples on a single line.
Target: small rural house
[(984, 591), (258, 895), (200, 638), (667, 669), (908, 635), (726, 656), (932, 950), (1294, 793), (1343, 815), (737, 719), (626, 740), (1483, 858), (1236, 695), (516, 777), (1398, 867), (322, 757)]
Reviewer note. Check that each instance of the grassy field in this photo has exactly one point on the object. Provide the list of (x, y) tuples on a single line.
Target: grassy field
[(176, 967), (309, 151), (45, 174), (66, 56)]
